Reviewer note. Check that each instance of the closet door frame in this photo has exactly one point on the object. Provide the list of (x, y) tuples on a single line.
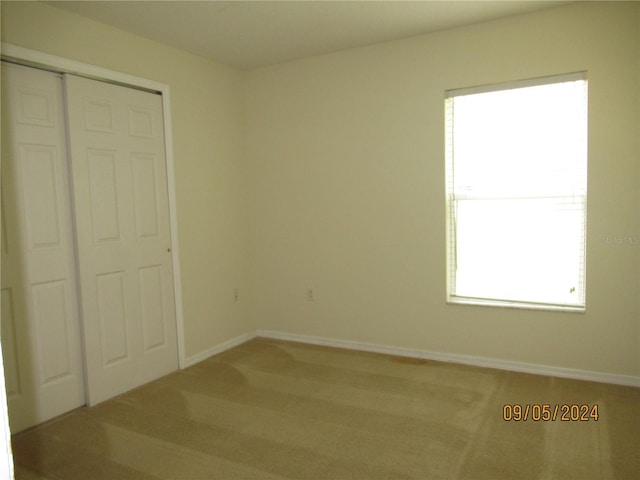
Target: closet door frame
[(27, 57)]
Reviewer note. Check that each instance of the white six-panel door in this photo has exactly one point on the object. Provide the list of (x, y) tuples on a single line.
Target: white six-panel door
[(87, 287), (40, 325), (116, 141)]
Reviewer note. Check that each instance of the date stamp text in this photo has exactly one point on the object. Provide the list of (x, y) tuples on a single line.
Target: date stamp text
[(536, 412)]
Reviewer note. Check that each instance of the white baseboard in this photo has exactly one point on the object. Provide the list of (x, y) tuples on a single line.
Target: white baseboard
[(199, 357), (537, 369), (628, 380)]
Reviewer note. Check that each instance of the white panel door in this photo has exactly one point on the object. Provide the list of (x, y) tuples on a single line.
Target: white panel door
[(40, 324), (116, 141)]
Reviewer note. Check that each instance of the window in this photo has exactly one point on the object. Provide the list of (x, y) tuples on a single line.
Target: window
[(516, 183)]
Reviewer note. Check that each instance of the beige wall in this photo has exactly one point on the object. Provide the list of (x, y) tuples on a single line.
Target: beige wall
[(347, 183), (328, 173), (206, 103)]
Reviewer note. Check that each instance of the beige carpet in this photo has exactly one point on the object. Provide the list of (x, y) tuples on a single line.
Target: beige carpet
[(271, 410)]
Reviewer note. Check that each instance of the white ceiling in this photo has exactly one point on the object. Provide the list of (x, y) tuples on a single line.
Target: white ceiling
[(248, 34)]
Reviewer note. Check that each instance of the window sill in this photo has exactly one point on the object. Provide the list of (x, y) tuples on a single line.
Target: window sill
[(453, 300)]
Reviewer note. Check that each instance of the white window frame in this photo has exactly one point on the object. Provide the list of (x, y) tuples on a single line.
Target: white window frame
[(452, 199)]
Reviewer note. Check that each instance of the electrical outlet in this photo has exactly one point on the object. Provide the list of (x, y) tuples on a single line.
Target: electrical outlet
[(310, 295)]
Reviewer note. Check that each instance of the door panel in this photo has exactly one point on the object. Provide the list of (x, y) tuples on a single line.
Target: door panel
[(153, 329), (122, 218), (41, 195), (51, 311), (105, 216), (112, 317), (9, 344), (145, 195), (40, 322)]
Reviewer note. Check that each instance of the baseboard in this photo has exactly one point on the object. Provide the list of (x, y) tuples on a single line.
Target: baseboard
[(523, 367), (199, 357), (486, 362)]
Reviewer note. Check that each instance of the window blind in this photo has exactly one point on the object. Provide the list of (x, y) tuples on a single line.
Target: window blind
[(516, 182)]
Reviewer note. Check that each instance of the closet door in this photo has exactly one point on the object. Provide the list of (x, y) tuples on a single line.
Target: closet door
[(40, 325), (116, 141)]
